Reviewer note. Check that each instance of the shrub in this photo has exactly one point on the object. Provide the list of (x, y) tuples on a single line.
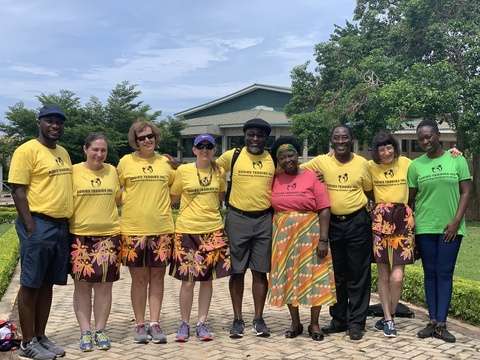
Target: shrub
[(8, 258), (462, 307)]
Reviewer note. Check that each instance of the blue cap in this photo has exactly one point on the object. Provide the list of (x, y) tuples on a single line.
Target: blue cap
[(203, 137), (51, 109)]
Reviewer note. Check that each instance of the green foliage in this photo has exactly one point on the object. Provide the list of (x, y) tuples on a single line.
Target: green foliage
[(8, 258), (113, 119), (402, 59)]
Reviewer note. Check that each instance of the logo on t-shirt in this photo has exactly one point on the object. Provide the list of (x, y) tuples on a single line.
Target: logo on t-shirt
[(257, 165), (96, 182), (437, 169), (343, 178), (389, 174), (59, 161), (147, 169), (292, 186)]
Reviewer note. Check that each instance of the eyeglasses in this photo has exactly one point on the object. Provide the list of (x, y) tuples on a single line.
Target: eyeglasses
[(203, 146), (143, 137)]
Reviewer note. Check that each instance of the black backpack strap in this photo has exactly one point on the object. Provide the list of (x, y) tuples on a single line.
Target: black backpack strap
[(236, 153)]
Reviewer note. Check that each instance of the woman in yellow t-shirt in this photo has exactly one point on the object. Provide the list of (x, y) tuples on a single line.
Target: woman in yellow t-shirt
[(96, 243), (147, 226), (200, 251)]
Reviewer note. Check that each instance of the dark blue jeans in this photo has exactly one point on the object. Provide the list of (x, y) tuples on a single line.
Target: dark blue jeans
[(438, 260)]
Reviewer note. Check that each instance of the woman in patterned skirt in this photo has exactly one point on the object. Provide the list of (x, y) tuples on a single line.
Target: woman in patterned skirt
[(302, 270), (200, 251), (147, 226), (96, 244)]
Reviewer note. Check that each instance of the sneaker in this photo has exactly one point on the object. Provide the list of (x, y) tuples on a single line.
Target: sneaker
[(102, 340), (50, 346), (202, 332), (379, 324), (389, 329), (441, 332), (260, 328), (428, 331), (140, 336), (236, 331), (183, 332), (155, 333), (33, 350), (86, 341)]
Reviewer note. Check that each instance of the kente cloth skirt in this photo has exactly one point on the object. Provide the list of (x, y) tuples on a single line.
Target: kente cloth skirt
[(150, 250), (393, 234), (298, 276), (200, 257), (95, 258)]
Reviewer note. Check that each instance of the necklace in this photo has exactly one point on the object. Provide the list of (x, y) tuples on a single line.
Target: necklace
[(207, 180)]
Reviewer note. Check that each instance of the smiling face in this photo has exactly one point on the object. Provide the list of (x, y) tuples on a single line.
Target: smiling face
[(146, 141), (386, 153), (96, 154), (341, 141), (288, 161), (202, 151), (429, 139), (51, 129), (255, 140)]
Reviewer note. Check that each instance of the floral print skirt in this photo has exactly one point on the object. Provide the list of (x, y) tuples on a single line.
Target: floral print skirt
[(95, 258), (147, 250), (393, 234), (200, 257)]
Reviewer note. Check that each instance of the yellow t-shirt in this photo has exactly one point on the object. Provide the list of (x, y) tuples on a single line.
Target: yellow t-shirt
[(390, 181), (345, 183), (94, 193), (252, 179), (146, 195), (48, 176), (199, 213)]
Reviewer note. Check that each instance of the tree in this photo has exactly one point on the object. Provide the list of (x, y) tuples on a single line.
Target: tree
[(401, 59), (113, 119)]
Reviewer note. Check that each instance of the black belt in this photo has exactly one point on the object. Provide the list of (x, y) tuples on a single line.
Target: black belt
[(48, 218), (334, 217), (251, 214)]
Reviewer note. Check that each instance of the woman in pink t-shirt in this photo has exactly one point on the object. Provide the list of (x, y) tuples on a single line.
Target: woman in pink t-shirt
[(302, 271)]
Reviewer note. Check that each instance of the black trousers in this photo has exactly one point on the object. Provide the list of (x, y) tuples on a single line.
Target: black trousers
[(351, 246)]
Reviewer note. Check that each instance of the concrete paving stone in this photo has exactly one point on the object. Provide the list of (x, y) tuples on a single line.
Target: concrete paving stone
[(63, 329)]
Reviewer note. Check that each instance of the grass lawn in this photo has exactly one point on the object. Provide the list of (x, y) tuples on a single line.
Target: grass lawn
[(467, 267), (4, 228)]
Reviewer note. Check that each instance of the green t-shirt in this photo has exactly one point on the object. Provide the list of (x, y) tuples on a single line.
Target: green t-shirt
[(437, 181)]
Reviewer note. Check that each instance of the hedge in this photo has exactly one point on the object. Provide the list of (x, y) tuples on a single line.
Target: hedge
[(8, 258), (463, 305)]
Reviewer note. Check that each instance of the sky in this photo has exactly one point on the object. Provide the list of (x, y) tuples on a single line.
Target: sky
[(180, 53)]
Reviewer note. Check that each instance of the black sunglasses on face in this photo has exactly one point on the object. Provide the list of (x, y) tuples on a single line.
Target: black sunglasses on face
[(203, 146), (143, 137)]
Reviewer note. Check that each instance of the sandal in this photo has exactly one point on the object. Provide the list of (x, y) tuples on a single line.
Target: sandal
[(291, 334)]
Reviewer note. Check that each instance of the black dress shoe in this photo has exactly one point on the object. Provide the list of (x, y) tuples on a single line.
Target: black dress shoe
[(331, 328), (317, 336), (290, 334), (355, 333)]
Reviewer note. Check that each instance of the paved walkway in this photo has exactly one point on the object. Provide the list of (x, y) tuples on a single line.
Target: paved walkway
[(63, 329)]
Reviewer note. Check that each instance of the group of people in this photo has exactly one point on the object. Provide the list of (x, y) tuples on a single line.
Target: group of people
[(307, 242)]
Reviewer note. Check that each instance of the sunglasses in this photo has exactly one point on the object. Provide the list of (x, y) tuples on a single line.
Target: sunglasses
[(143, 137), (203, 146)]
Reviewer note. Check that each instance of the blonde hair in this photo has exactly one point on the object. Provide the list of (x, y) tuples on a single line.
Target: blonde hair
[(139, 126)]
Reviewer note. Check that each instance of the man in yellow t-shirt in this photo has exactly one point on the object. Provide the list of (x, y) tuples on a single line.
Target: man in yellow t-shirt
[(41, 178), (347, 179), (249, 222)]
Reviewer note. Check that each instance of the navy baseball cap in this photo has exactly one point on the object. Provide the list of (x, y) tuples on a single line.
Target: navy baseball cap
[(203, 137), (257, 123), (51, 109)]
